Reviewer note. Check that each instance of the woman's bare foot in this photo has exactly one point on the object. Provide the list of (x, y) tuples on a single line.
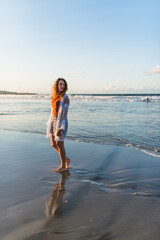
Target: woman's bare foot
[(68, 160), (60, 169)]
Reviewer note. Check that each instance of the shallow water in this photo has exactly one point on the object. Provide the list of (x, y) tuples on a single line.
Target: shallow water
[(118, 120)]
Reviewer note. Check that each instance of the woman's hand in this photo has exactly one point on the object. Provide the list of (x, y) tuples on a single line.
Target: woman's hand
[(59, 132)]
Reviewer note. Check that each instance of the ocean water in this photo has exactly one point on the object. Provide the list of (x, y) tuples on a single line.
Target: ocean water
[(123, 120)]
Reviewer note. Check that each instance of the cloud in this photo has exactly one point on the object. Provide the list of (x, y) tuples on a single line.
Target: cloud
[(113, 86), (154, 70)]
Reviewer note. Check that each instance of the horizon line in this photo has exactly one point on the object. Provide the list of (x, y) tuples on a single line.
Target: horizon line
[(3, 92)]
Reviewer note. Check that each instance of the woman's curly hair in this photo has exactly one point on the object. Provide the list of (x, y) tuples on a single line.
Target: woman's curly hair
[(55, 92)]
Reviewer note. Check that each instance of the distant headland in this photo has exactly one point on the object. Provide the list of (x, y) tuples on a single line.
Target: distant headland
[(16, 93)]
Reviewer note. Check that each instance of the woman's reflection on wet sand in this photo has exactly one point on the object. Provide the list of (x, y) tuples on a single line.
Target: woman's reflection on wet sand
[(54, 206)]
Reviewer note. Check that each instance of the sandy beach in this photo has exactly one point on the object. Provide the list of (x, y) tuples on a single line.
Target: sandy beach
[(87, 72), (109, 192)]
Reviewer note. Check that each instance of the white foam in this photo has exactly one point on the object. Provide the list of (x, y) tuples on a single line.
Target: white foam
[(89, 97)]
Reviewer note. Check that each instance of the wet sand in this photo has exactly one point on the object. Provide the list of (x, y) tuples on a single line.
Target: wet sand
[(109, 192)]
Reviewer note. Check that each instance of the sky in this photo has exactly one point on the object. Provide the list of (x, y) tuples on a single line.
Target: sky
[(98, 46)]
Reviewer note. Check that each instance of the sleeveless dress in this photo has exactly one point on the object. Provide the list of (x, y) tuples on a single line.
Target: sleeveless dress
[(59, 122)]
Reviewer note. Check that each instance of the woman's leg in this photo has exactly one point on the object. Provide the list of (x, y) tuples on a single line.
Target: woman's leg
[(62, 153), (55, 145)]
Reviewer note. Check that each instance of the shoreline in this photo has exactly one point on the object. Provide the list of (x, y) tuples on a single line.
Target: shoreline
[(148, 152)]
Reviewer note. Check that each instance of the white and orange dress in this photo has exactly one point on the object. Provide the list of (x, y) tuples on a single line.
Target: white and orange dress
[(58, 118)]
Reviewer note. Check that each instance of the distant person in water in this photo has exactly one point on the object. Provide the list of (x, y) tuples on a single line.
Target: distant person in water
[(147, 100), (57, 125)]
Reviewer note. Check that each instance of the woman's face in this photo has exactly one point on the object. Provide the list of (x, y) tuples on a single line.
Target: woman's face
[(61, 85)]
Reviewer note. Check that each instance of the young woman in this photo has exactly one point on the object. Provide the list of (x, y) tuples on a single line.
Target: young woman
[(57, 124)]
